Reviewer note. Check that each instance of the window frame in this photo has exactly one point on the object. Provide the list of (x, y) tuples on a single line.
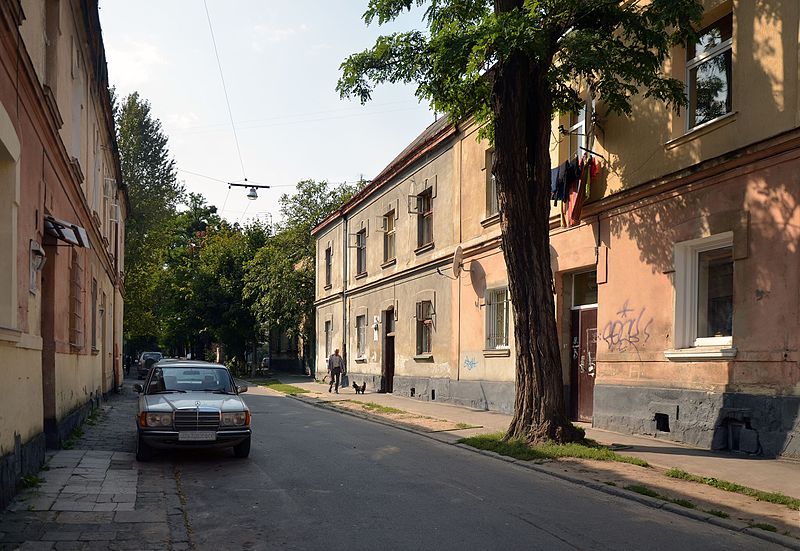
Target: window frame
[(76, 301), (361, 336), (328, 329), (492, 202), (424, 324), (328, 265), (492, 308), (389, 236), (698, 60), (361, 252), (686, 255), (424, 217)]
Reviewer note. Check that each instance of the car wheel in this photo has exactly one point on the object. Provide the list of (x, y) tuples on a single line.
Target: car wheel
[(143, 450), (242, 449)]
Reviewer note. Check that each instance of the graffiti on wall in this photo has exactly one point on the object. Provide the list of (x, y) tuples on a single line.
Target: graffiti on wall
[(628, 330), (470, 363)]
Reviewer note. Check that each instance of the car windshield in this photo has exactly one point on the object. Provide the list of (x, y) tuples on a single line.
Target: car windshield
[(167, 379)]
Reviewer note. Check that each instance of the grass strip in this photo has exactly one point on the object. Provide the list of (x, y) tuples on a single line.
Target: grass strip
[(519, 449), (275, 384), (377, 408), (649, 492), (771, 497)]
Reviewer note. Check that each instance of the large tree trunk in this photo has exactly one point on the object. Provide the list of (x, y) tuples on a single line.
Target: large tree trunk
[(523, 111)]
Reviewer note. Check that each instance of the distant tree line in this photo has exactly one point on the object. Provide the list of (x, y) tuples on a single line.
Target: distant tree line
[(194, 282)]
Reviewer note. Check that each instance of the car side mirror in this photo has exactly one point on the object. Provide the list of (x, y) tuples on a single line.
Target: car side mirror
[(241, 389), (138, 388)]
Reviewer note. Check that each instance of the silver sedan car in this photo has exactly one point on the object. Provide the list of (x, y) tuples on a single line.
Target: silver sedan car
[(191, 404)]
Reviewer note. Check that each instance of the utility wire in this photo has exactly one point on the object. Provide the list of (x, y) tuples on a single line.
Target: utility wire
[(225, 90)]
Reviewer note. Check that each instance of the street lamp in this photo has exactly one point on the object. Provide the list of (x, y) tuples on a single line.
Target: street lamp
[(252, 194)]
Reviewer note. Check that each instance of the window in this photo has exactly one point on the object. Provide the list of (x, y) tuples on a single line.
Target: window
[(361, 336), (389, 236), (492, 206), (424, 327), (704, 306), (76, 301), (708, 72), (94, 314), (328, 266), (584, 289), (328, 337), (577, 132), (425, 218), (361, 252), (496, 319)]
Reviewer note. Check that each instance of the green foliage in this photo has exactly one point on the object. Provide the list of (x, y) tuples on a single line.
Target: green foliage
[(613, 49), (275, 384), (280, 279), (31, 481), (771, 497), (377, 408), (643, 490), (764, 526), (717, 513), (519, 449)]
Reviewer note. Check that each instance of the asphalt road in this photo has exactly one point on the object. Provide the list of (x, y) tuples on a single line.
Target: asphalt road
[(318, 479)]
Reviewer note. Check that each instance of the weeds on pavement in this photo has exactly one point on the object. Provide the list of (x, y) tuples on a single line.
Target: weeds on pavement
[(771, 497)]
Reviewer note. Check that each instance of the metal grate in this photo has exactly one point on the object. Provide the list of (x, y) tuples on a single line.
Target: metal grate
[(196, 419)]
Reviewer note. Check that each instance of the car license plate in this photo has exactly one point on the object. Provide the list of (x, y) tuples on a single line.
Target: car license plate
[(200, 435)]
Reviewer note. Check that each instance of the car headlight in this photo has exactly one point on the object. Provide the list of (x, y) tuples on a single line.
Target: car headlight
[(158, 419), (236, 419)]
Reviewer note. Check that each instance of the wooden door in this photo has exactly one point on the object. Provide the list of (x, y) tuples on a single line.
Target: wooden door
[(582, 361), (388, 351)]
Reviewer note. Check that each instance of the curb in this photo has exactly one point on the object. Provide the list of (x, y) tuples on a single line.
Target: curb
[(772, 537)]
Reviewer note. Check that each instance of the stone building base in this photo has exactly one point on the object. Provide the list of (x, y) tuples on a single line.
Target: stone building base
[(738, 422), (26, 459)]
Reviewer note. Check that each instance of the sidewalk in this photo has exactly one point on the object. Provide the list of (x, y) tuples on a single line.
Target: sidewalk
[(763, 474), (95, 496)]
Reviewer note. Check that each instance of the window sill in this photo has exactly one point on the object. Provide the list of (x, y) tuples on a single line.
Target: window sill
[(361, 359), (491, 220), (424, 357), (702, 129), (497, 353), (327, 287), (362, 275), (389, 263), (10, 335), (700, 353), (424, 248)]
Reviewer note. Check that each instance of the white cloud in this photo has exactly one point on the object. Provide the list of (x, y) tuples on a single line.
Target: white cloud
[(181, 121), (264, 35), (134, 63)]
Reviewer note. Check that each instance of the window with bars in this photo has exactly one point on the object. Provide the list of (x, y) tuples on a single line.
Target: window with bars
[(708, 72), (389, 236), (328, 337), (424, 327), (497, 318), (361, 336), (425, 218), (361, 252), (76, 301), (328, 265), (492, 206)]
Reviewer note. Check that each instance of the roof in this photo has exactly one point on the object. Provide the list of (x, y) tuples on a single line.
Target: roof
[(429, 139)]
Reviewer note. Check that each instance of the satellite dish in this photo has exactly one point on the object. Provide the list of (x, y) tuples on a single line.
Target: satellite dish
[(458, 258)]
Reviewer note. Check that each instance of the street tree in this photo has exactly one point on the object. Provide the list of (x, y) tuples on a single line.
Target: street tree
[(154, 192), (513, 65)]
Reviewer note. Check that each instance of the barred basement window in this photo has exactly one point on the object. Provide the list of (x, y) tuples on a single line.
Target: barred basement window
[(497, 319)]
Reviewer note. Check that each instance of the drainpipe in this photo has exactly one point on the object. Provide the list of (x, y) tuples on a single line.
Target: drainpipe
[(345, 305)]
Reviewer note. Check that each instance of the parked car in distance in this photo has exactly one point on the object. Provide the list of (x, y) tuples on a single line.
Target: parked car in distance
[(188, 404), (146, 361)]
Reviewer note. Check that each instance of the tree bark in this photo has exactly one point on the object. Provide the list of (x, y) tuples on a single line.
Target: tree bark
[(523, 111)]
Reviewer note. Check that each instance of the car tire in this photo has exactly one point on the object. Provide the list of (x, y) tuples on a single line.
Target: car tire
[(242, 449), (143, 450)]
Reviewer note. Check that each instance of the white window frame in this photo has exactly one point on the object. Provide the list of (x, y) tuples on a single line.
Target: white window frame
[(361, 336), (492, 202), (698, 60), (361, 252), (492, 309), (686, 297), (389, 227), (424, 324)]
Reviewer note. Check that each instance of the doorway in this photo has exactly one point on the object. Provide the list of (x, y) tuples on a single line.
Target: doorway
[(387, 374), (583, 340)]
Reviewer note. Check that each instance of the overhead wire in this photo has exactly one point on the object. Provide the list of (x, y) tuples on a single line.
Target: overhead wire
[(225, 90)]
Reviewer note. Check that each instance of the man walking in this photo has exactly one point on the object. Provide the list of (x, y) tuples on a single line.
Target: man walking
[(335, 368)]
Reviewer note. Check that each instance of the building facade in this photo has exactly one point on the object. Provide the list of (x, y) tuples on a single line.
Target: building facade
[(62, 211), (676, 270)]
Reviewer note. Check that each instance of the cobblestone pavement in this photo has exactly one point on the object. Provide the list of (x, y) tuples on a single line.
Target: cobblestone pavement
[(95, 496)]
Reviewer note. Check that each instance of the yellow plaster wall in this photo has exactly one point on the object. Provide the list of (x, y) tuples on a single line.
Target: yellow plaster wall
[(78, 379), (21, 406)]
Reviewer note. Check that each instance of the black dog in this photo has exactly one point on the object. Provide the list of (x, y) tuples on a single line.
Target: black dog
[(360, 389)]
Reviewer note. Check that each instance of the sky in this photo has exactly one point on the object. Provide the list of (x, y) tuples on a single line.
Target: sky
[(280, 63)]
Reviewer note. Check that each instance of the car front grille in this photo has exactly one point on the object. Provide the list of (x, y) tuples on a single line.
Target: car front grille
[(196, 419)]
